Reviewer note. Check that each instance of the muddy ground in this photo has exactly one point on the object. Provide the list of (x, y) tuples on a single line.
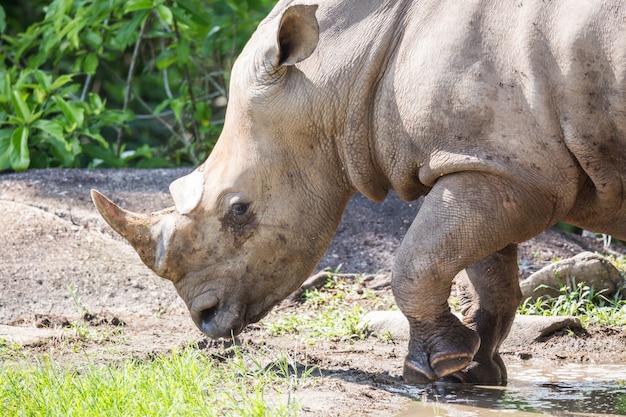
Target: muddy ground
[(59, 260)]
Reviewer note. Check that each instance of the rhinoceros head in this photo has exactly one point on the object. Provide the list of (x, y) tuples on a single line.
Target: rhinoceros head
[(251, 223)]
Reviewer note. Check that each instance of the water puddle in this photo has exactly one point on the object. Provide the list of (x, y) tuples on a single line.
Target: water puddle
[(569, 390)]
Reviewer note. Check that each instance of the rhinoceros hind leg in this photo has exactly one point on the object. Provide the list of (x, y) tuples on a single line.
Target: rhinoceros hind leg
[(489, 294)]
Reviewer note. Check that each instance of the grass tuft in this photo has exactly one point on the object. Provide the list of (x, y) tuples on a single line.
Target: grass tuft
[(333, 312), (582, 301)]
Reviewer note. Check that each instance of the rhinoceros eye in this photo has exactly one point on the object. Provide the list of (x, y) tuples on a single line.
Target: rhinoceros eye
[(239, 219), (239, 210)]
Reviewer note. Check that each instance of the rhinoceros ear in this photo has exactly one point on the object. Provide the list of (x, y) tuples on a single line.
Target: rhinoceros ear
[(187, 191), (298, 34)]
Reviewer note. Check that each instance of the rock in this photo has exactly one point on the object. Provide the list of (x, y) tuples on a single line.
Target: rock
[(387, 324), (313, 282), (587, 267), (528, 329), (525, 329), (25, 336), (378, 281)]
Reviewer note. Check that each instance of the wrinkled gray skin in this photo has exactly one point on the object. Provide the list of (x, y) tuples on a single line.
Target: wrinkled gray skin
[(508, 116)]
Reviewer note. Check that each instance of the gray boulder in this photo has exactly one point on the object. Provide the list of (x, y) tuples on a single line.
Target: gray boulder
[(590, 268), (525, 329), (391, 324)]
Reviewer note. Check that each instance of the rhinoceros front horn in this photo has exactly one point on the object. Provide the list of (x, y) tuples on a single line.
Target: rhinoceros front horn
[(143, 231)]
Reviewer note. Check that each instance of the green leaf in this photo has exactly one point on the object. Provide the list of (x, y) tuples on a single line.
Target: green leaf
[(5, 148), (78, 64), (165, 14), (39, 94), (98, 138), (135, 5), (53, 128), (3, 21), (180, 16), (5, 88), (49, 41), (202, 113), (158, 109), (43, 79), (19, 105), (96, 104), (63, 151), (128, 30), (106, 155), (93, 39), (56, 11), (72, 113), (91, 63), (34, 117), (144, 151), (197, 14), (182, 51), (61, 81), (19, 155), (166, 59), (177, 106), (71, 31)]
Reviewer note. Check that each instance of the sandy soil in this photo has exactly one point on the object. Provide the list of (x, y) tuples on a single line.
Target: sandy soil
[(59, 261)]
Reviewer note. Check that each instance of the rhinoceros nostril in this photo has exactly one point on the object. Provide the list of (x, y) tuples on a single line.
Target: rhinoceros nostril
[(208, 315)]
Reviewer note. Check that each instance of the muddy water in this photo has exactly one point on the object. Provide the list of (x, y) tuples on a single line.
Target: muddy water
[(568, 390)]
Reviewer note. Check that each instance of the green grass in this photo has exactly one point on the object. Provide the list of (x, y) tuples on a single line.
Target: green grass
[(185, 382), (334, 312), (580, 300), (619, 261)]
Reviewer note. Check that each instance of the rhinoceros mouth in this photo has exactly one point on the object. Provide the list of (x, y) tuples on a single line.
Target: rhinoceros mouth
[(219, 316)]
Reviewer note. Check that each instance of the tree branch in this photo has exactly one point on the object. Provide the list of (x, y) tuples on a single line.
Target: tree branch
[(129, 82), (196, 132)]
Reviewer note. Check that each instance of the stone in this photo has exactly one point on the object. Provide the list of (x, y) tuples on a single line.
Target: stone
[(525, 329), (387, 324), (590, 268), (529, 329), (27, 335)]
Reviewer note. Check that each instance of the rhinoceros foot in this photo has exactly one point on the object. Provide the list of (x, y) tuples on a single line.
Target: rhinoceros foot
[(490, 371), (439, 349)]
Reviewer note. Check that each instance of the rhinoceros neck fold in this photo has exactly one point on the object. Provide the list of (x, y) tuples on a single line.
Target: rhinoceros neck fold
[(368, 58)]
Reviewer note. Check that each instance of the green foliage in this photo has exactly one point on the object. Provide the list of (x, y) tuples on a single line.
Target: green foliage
[(581, 300), (116, 83)]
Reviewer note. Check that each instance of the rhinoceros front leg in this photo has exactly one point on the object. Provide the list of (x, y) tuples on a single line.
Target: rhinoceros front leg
[(489, 293), (464, 218)]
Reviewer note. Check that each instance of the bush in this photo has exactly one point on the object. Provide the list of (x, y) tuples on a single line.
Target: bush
[(117, 83)]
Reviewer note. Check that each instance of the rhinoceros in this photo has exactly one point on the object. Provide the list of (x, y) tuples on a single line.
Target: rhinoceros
[(507, 116)]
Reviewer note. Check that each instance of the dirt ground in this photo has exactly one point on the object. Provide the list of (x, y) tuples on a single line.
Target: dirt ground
[(59, 261)]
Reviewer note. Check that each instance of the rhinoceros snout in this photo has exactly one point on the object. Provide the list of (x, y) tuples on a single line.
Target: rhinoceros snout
[(217, 319)]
